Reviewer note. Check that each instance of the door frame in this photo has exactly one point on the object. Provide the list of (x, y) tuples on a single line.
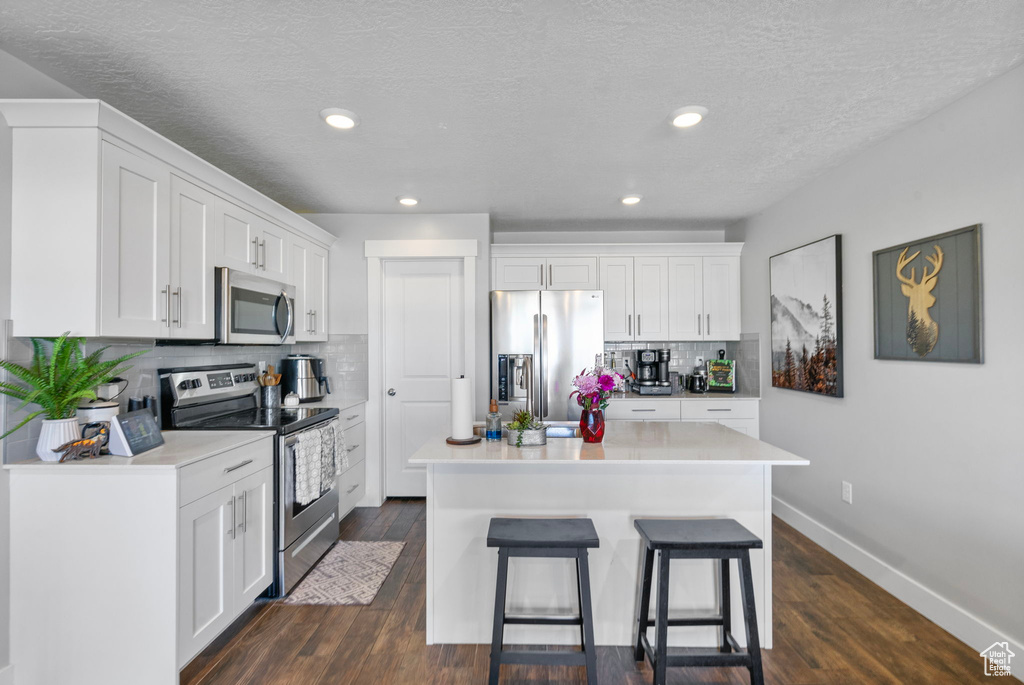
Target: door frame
[(378, 252)]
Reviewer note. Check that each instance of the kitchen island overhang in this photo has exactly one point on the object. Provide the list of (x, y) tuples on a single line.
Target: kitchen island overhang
[(642, 469)]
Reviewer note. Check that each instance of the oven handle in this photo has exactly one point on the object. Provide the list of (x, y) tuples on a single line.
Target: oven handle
[(291, 316)]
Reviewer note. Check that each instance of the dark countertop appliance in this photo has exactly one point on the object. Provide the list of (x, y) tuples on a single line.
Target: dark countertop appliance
[(646, 367), (225, 397), (305, 376)]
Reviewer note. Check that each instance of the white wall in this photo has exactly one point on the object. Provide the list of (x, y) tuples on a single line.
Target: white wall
[(934, 451), (348, 296)]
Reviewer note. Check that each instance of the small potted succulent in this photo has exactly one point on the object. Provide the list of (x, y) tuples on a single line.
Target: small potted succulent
[(526, 430), (60, 376)]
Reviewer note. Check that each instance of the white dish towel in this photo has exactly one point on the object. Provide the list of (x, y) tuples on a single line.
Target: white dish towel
[(308, 461)]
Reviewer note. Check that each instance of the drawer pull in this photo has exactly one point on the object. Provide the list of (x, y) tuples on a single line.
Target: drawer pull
[(353, 448), (354, 416), (719, 409), (352, 489), (237, 466), (645, 410)]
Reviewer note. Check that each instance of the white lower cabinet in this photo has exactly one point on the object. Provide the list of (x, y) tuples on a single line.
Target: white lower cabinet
[(352, 480), (740, 415), (132, 568), (225, 556)]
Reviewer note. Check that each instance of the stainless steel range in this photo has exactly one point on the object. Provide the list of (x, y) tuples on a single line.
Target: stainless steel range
[(226, 398)]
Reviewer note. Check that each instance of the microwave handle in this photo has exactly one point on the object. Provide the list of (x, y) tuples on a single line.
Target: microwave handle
[(291, 316)]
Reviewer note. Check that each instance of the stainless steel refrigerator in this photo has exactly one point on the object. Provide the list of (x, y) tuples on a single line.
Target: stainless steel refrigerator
[(540, 340)]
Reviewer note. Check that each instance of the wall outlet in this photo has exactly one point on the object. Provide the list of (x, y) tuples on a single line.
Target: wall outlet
[(699, 361), (848, 492)]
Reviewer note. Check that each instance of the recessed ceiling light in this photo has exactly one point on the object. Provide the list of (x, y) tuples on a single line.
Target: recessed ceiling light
[(685, 117), (339, 118), (631, 199), (408, 201)]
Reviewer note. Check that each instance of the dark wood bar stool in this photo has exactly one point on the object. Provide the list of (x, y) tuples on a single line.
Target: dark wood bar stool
[(721, 539), (555, 538)]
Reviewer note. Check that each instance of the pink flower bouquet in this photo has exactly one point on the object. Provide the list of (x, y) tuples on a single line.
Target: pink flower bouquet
[(594, 387)]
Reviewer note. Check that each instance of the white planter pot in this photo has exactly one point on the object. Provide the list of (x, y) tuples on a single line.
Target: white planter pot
[(54, 434)]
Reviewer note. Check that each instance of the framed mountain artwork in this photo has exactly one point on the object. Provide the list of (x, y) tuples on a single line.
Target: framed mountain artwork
[(807, 318), (928, 299)]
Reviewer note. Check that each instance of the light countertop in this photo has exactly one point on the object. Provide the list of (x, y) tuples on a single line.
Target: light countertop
[(180, 448), (739, 395), (335, 401), (625, 442)]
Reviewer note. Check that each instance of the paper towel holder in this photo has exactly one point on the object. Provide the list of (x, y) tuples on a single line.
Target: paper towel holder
[(472, 440)]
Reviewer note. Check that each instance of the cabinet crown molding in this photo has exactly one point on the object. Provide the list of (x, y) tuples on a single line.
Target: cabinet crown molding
[(616, 249), (87, 113)]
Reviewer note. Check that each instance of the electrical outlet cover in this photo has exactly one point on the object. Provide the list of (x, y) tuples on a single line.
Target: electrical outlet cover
[(848, 492)]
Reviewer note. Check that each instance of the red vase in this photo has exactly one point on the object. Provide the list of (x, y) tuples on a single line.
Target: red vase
[(592, 425)]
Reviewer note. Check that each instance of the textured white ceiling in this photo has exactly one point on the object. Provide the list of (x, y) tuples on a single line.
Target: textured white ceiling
[(533, 110)]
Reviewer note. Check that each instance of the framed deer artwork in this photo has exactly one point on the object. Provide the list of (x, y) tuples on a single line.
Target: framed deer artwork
[(807, 318), (928, 299)]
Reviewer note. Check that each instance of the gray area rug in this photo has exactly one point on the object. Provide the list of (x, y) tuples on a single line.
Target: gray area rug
[(351, 573)]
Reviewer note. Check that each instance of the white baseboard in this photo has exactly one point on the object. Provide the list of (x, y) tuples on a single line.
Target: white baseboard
[(7, 675), (959, 622)]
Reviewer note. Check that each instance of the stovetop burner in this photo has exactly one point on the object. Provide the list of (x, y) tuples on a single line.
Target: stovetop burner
[(283, 420)]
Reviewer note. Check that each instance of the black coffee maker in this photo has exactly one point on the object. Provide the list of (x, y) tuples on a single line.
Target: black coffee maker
[(664, 357), (646, 367)]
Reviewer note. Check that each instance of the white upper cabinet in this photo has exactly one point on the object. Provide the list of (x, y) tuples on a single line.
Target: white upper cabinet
[(721, 298), (685, 298), (129, 247), (539, 273), (309, 274), (134, 266), (248, 242), (236, 237), (650, 298), (192, 244), (572, 273), (617, 284), (273, 252)]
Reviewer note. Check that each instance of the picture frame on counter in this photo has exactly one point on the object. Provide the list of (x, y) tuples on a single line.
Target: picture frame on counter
[(806, 288), (928, 298)]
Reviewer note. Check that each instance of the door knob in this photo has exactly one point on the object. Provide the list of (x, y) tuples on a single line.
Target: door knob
[(391, 392)]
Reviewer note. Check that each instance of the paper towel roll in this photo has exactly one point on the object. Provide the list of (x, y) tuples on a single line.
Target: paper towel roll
[(462, 409)]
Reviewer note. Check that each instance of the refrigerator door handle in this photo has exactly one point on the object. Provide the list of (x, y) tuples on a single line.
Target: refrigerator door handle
[(544, 366), (535, 406)]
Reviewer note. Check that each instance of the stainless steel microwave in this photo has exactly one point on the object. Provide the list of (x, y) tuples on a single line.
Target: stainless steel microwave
[(253, 310)]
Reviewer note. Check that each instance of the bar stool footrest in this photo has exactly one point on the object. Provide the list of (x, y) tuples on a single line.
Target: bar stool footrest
[(543, 620), (541, 658)]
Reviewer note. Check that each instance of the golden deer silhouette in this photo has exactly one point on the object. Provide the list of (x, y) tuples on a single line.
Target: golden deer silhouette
[(922, 331)]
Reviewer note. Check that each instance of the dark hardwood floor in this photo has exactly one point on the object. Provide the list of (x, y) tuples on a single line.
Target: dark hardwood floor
[(832, 625)]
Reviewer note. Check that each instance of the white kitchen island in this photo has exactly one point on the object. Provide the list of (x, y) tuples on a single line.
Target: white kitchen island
[(642, 469)]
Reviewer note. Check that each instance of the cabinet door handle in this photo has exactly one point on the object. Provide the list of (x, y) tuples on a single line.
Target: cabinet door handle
[(542, 276), (638, 324), (166, 292), (354, 416), (313, 331), (263, 245), (232, 529), (551, 274), (245, 509), (352, 489), (177, 293), (629, 323), (644, 410), (353, 448), (719, 409), (709, 324), (237, 466), (256, 252), (700, 331)]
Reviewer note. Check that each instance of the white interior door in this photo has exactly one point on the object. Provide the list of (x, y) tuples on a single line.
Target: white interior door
[(423, 351)]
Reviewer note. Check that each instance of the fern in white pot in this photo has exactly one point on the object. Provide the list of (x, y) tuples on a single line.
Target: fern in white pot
[(60, 376)]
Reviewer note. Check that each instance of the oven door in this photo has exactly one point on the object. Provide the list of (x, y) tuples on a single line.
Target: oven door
[(297, 519), (253, 310)]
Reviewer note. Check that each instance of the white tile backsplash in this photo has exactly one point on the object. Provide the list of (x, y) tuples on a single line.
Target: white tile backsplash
[(346, 358)]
